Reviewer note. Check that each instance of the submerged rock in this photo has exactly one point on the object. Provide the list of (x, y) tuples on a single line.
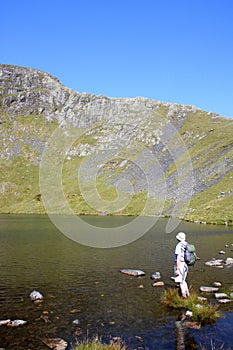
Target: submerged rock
[(132, 272), (55, 343)]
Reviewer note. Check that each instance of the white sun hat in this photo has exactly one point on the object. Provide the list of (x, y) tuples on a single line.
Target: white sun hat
[(181, 236)]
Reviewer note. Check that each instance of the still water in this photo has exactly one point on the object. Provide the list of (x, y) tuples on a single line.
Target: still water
[(83, 283)]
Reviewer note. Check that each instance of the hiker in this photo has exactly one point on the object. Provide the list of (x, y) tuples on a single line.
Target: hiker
[(180, 267)]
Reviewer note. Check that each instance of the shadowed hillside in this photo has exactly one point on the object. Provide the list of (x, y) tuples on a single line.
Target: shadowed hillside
[(131, 156)]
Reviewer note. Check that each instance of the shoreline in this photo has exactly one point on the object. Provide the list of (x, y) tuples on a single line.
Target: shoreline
[(218, 222)]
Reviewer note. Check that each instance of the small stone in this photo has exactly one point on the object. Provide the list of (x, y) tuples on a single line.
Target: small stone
[(222, 252), (35, 295), (225, 301), (156, 276), (208, 289), (16, 323), (202, 298), (217, 284), (214, 262), (76, 322), (229, 261), (74, 311), (139, 338), (198, 306), (158, 284), (141, 286), (220, 295), (189, 313), (4, 322)]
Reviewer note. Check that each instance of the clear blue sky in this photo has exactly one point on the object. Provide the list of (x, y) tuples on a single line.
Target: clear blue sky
[(177, 51)]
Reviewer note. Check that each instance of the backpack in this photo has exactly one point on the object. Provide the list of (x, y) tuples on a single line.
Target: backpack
[(190, 255)]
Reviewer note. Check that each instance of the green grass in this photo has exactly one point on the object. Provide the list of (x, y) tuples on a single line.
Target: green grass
[(203, 313), (97, 344)]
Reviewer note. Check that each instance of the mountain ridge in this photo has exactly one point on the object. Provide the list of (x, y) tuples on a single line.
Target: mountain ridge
[(33, 104)]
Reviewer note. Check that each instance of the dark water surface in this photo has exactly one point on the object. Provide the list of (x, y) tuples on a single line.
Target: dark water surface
[(84, 283)]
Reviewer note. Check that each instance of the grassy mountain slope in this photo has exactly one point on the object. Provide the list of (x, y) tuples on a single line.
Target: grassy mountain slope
[(141, 150)]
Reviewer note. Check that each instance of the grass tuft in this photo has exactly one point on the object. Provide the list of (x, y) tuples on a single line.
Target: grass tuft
[(202, 312), (97, 344)]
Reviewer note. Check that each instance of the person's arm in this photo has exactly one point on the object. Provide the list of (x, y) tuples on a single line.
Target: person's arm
[(178, 260)]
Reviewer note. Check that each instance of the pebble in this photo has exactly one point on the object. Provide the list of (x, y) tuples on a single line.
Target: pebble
[(158, 284), (76, 322), (35, 295), (156, 276), (202, 298), (217, 284)]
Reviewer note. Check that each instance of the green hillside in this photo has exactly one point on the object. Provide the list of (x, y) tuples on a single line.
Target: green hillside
[(173, 160)]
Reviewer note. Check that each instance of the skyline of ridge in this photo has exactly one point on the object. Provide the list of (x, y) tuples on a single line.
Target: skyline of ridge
[(175, 52)]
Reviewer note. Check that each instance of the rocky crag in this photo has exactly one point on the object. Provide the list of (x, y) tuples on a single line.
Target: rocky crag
[(177, 158)]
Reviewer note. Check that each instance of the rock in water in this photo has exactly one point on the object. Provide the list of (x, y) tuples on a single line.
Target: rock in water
[(215, 263), (16, 323), (229, 261), (132, 272), (4, 322), (155, 276), (158, 284), (76, 322), (55, 343), (35, 295), (208, 289), (220, 295)]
